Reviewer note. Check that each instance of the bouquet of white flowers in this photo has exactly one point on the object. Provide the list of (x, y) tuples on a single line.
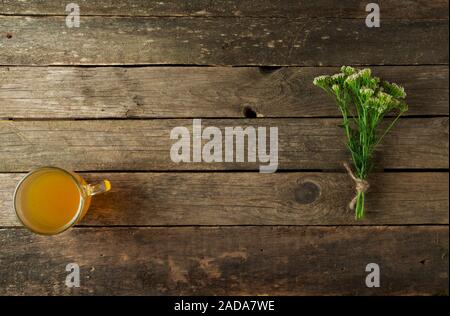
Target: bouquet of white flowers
[(363, 100)]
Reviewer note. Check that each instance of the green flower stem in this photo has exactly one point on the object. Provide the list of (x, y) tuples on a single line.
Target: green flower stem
[(389, 128), (359, 210)]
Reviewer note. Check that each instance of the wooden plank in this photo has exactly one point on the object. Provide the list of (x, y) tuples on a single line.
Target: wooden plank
[(146, 144), (227, 260), (157, 199), (267, 8), (221, 41), (175, 92)]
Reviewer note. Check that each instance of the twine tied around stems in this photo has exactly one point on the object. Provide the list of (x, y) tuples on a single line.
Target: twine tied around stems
[(361, 186)]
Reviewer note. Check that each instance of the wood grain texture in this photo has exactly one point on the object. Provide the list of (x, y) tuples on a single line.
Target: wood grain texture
[(145, 144), (223, 261), (221, 41), (416, 9), (171, 92), (222, 233), (158, 199)]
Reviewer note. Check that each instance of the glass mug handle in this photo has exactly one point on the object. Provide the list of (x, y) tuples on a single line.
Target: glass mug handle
[(90, 190), (100, 187)]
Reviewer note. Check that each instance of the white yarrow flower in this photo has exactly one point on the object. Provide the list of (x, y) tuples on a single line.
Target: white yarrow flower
[(320, 80), (366, 91)]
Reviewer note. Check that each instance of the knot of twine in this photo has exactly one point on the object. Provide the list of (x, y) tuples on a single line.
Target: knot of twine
[(361, 186)]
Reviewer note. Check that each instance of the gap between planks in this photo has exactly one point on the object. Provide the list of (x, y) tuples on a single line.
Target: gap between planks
[(99, 227), (419, 9)]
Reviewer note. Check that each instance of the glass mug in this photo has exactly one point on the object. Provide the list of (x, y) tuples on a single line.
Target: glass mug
[(49, 200)]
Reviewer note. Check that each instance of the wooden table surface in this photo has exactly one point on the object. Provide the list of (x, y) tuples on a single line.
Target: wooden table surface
[(102, 99)]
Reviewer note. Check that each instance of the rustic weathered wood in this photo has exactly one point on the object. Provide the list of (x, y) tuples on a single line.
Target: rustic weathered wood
[(221, 41), (268, 8), (254, 199), (270, 247), (233, 260), (154, 92), (145, 144)]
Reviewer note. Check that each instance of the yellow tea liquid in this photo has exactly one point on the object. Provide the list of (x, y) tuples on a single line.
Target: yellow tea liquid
[(48, 201)]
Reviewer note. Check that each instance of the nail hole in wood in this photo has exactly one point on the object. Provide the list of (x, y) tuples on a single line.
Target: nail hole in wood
[(249, 112), (8, 35), (307, 192), (424, 261), (268, 69)]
